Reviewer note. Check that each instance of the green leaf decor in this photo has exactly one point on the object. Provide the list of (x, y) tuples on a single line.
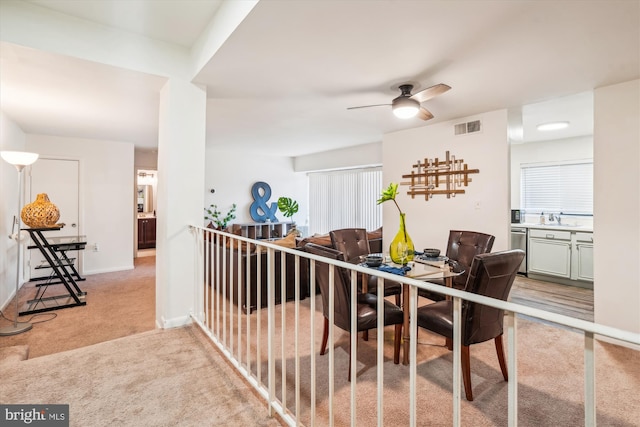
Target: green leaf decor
[(287, 206)]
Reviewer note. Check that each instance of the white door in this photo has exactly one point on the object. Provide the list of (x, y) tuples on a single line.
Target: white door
[(59, 179)]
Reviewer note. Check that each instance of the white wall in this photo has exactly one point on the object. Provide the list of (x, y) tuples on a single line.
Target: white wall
[(617, 206), (350, 157), (106, 196), (12, 138), (560, 150), (232, 175), (485, 205)]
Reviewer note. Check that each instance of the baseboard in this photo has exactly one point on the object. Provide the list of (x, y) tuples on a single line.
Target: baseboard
[(7, 302), (107, 270), (9, 298), (175, 322), (561, 280)]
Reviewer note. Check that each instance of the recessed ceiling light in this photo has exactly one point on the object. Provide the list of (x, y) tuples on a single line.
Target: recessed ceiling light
[(552, 126)]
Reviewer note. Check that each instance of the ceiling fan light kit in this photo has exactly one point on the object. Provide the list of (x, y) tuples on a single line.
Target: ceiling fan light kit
[(405, 108), (407, 105)]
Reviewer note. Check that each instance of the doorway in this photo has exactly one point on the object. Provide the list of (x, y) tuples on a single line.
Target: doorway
[(146, 205)]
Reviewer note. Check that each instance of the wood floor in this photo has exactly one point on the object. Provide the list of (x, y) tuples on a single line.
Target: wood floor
[(562, 299)]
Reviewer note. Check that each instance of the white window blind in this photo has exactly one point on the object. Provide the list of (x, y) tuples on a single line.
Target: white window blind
[(566, 188), (345, 199)]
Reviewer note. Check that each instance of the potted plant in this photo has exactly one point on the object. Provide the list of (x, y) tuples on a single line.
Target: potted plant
[(401, 248), (288, 207), (217, 220)]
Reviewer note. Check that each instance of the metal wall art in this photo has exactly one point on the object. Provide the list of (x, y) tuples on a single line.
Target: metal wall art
[(435, 176)]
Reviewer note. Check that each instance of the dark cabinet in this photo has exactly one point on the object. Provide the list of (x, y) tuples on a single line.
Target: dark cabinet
[(146, 233)]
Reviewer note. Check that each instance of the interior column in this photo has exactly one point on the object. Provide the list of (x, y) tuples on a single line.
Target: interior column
[(181, 147)]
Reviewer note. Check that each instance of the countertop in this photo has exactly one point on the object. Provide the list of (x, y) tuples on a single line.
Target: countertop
[(563, 227)]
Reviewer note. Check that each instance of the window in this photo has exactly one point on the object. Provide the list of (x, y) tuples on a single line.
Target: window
[(345, 198), (566, 188)]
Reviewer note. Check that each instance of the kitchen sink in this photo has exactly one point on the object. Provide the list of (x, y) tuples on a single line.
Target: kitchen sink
[(558, 225)]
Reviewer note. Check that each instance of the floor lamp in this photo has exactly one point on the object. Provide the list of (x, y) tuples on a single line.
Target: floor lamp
[(19, 159)]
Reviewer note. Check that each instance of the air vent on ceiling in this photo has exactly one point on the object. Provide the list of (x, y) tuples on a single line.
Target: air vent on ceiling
[(469, 127)]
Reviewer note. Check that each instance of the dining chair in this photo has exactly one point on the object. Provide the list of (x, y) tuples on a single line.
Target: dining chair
[(491, 275), (354, 244), (366, 314), (462, 247)]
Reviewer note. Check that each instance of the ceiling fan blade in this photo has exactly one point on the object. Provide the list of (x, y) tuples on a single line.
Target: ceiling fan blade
[(430, 92), (367, 106), (424, 114)]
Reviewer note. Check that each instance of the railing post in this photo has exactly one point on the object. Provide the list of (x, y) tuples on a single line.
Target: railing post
[(413, 352), (258, 317), (312, 332), (457, 341), (297, 334), (283, 325), (224, 289), (239, 299), (353, 345), (233, 256), (512, 368), (271, 327), (332, 365), (218, 275), (247, 304), (589, 381), (380, 350), (206, 271)]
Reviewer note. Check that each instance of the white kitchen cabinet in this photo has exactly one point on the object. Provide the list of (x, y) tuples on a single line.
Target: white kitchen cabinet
[(563, 255), (550, 253), (583, 257)]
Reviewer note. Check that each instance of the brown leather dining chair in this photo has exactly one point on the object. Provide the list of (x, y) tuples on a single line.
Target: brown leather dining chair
[(491, 275), (367, 314), (461, 248), (354, 243)]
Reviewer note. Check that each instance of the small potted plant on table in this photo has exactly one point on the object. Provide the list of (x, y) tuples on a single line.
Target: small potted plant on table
[(288, 207), (216, 219)]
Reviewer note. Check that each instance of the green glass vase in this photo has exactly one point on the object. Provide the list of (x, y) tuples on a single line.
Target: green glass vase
[(401, 248)]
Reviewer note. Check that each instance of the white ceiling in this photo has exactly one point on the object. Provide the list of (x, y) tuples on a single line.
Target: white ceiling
[(283, 81), (174, 21)]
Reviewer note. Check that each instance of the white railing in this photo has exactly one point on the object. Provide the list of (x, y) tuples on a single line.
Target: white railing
[(238, 329)]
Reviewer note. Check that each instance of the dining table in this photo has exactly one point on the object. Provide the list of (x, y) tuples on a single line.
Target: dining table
[(424, 270)]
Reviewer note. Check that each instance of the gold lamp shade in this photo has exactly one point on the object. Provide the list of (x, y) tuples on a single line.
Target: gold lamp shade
[(41, 213)]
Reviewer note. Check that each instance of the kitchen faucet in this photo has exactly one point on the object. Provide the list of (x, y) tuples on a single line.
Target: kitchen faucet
[(556, 217)]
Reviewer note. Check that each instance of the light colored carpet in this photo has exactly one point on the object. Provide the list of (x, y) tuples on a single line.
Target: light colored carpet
[(157, 378), (16, 353), (118, 304)]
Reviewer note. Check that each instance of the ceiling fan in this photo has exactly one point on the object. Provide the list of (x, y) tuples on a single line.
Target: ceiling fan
[(407, 105)]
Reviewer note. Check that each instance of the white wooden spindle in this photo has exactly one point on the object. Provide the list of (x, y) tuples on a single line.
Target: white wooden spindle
[(457, 340), (589, 381), (512, 368)]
